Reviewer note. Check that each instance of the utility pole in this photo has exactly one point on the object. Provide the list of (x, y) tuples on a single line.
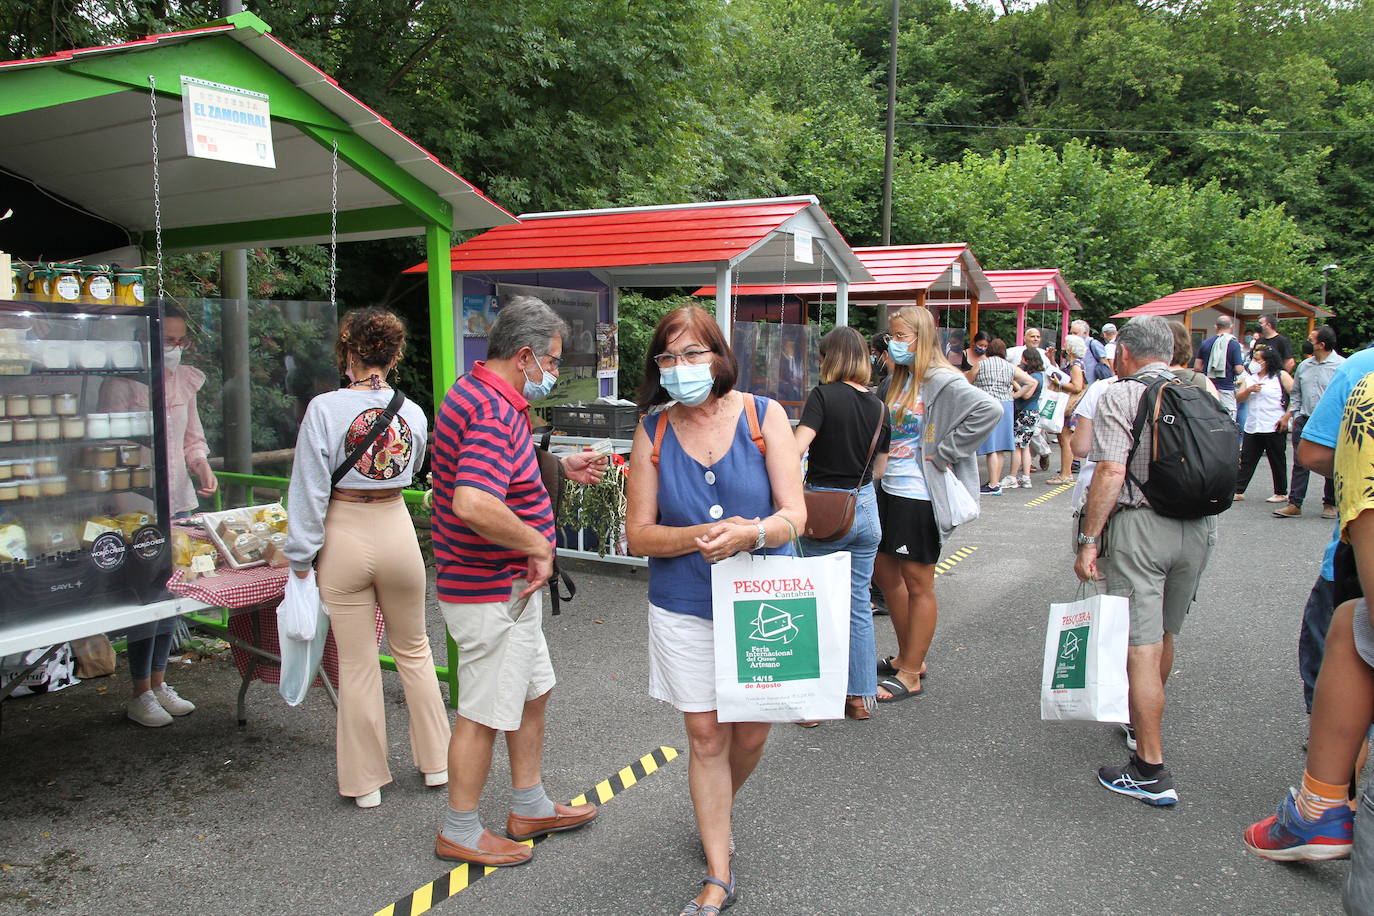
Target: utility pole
[(891, 122), (237, 417)]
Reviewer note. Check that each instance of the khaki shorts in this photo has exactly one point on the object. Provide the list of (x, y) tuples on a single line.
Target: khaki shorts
[(1157, 563), (503, 659)]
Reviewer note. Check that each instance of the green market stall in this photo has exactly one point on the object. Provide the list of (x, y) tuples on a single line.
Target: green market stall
[(105, 156)]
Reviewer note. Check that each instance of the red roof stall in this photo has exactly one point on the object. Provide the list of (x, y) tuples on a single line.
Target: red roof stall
[(726, 242), (1201, 305), (943, 277), (1041, 289)]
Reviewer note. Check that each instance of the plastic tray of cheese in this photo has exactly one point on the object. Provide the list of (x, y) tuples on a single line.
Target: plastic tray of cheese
[(252, 536)]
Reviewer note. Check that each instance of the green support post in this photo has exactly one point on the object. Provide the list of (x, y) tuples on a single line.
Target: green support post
[(444, 358)]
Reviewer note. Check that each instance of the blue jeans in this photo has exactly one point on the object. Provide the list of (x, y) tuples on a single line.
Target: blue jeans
[(149, 645), (1316, 620), (862, 544)]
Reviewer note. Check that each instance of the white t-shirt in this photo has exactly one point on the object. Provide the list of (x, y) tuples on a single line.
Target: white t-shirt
[(905, 475), (1111, 350), (1087, 407), (1014, 357), (1266, 405)]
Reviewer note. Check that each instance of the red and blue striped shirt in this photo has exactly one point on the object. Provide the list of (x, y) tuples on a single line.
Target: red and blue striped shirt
[(482, 439)]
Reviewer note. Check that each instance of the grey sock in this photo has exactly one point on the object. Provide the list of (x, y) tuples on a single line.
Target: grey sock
[(531, 802), (462, 827)]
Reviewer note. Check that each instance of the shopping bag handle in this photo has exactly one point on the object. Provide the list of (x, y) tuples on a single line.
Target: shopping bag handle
[(1083, 590), (796, 541)]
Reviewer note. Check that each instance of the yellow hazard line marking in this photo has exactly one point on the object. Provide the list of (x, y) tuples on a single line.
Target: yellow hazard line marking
[(1047, 496), (464, 876), (948, 563)]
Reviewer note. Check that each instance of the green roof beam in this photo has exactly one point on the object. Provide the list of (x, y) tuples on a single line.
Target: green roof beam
[(383, 171), (315, 225)]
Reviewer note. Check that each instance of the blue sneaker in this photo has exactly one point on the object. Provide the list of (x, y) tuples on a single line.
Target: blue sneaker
[(987, 490), (1288, 837), (1128, 780)]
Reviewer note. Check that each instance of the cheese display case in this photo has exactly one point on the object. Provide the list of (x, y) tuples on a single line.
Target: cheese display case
[(84, 519)]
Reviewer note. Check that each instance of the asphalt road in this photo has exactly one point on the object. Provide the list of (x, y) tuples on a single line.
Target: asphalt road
[(961, 801)]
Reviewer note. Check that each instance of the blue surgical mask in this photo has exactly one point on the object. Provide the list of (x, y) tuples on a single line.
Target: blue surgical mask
[(899, 351), (688, 385), (537, 391)]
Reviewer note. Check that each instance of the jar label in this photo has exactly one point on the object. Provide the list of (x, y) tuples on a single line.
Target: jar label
[(68, 287), (101, 287), (138, 291)]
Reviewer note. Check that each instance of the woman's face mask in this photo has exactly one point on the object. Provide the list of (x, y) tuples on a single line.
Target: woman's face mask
[(688, 385)]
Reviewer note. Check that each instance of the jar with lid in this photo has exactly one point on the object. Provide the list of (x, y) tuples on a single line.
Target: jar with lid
[(64, 405), (39, 285), (29, 488), (121, 425), (96, 285), (73, 427), (49, 428), (144, 423), (56, 354), (97, 480), (9, 491), (129, 455), (6, 430), (100, 456), (25, 430), (46, 465), (54, 485), (22, 467), (6, 469), (40, 405), (97, 426), (17, 405), (142, 476), (93, 354), (128, 285), (123, 354), (66, 283), (120, 478)]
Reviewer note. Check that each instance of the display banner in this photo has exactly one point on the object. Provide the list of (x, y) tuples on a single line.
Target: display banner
[(226, 123)]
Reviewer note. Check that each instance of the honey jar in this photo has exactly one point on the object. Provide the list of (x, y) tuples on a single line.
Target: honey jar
[(73, 427), (64, 405), (17, 405), (9, 491), (29, 488), (128, 286), (55, 485), (66, 283), (46, 466), (101, 456), (96, 285), (96, 480), (40, 405), (121, 479), (129, 455), (6, 430), (49, 428), (141, 476), (39, 284), (25, 430)]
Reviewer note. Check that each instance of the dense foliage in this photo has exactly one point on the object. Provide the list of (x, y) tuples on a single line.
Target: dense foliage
[(1140, 146)]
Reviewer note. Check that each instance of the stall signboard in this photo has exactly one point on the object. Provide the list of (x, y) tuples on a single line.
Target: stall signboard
[(227, 123), (479, 314), (577, 378), (607, 351), (1254, 302)]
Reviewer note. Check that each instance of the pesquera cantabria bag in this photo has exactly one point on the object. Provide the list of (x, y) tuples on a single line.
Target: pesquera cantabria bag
[(829, 514)]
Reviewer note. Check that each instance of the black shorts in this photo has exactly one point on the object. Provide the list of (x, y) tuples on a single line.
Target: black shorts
[(909, 528)]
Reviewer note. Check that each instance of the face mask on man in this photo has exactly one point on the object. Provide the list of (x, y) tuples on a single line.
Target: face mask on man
[(688, 385), (537, 391)]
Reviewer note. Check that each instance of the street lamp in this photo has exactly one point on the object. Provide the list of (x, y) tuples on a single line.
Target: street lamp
[(1325, 270)]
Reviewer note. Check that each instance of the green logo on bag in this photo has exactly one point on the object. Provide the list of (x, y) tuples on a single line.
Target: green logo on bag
[(1047, 409), (1071, 664), (776, 640)]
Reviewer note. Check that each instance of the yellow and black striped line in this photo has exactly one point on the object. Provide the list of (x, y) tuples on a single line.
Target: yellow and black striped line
[(948, 562), (1049, 495), (464, 876)]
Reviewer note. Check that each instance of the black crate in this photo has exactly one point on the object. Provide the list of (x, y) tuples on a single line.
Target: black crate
[(606, 421)]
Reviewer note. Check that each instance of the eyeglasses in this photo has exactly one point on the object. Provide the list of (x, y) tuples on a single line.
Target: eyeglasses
[(693, 357), (184, 341), (554, 361), (903, 336)]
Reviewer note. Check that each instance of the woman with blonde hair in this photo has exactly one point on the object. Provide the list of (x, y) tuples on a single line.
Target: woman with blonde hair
[(937, 419), (843, 431)]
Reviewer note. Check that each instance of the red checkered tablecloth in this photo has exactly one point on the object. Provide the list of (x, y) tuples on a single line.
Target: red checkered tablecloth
[(255, 591)]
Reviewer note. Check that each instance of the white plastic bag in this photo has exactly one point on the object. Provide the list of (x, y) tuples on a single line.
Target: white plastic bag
[(1084, 675), (962, 506), (781, 636), (300, 658), (296, 613), (1053, 404)]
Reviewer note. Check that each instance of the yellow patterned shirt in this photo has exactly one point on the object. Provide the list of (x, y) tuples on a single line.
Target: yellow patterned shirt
[(1355, 454)]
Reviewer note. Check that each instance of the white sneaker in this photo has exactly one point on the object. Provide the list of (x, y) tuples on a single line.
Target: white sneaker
[(145, 710), (169, 700), (1008, 483), (1026, 482), (434, 780), (370, 800)]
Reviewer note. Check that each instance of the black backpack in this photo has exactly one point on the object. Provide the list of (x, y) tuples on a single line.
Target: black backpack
[(1192, 469)]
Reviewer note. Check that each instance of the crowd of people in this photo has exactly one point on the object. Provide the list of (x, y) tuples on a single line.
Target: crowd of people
[(898, 422)]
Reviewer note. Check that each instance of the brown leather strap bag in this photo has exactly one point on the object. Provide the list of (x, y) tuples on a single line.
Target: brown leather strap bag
[(830, 514)]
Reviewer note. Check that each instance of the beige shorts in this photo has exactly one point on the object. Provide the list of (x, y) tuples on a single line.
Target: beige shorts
[(1157, 563), (503, 659), (682, 660)]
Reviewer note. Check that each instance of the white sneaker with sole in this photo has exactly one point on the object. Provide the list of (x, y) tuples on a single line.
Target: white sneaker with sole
[(1008, 483), (1026, 483), (434, 780), (171, 701), (370, 800), (145, 710)]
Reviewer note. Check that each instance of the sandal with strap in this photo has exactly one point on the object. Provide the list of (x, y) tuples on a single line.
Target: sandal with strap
[(709, 909)]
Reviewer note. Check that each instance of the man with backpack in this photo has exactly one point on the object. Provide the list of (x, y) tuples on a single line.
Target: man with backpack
[(1149, 525), (1095, 364)]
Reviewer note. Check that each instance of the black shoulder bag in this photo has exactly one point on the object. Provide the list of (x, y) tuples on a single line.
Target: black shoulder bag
[(373, 434), (551, 473)]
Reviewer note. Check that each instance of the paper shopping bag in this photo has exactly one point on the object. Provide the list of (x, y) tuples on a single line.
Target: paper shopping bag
[(1084, 676), (1052, 407), (781, 637)]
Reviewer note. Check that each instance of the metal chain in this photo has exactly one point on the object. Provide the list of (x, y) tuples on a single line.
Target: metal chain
[(157, 184), (334, 227), (820, 298), (782, 299)]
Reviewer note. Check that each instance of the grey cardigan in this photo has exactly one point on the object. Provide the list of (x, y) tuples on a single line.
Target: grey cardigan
[(958, 417)]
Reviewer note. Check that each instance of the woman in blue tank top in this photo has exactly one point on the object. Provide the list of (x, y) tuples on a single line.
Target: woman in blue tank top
[(714, 472)]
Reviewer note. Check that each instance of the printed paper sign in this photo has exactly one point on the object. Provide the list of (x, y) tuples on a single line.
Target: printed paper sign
[(1254, 302), (777, 640), (226, 123), (801, 246)]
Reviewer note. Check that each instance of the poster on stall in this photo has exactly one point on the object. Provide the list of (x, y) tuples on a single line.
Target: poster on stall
[(479, 314), (226, 123), (607, 351), (577, 378)]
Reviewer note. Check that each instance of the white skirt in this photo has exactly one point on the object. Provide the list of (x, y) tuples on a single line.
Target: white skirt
[(682, 660)]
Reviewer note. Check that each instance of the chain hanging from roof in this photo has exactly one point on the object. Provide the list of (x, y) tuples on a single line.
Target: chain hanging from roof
[(157, 184), (334, 227)]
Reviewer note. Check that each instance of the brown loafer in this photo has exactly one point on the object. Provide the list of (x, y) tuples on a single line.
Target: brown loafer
[(565, 817), (492, 850)]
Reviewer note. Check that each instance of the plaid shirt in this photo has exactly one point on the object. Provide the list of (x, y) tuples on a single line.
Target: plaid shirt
[(1113, 432)]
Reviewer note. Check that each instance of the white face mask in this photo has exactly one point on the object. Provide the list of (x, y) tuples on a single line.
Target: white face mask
[(171, 358)]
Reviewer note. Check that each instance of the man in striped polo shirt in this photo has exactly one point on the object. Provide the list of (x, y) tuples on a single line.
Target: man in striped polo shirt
[(493, 531)]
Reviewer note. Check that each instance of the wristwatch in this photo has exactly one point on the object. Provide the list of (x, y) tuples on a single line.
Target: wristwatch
[(763, 536), (1086, 539)]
